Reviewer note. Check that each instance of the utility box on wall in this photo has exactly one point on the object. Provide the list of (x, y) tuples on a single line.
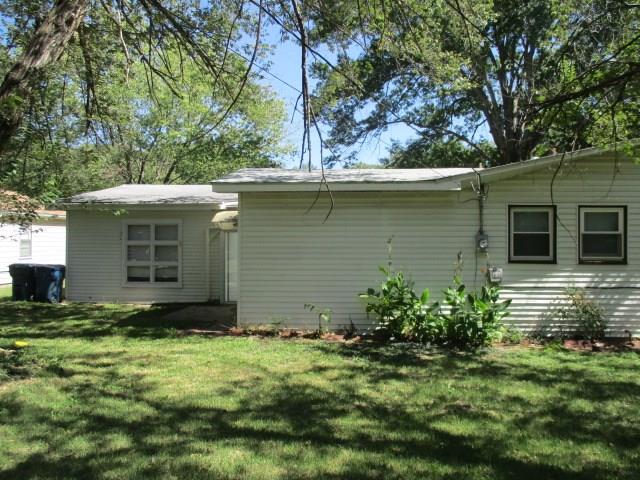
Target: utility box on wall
[(482, 242), (495, 274)]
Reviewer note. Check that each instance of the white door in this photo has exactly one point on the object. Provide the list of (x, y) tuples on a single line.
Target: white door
[(231, 266)]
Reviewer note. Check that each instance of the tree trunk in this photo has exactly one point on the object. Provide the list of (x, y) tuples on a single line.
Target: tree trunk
[(49, 41)]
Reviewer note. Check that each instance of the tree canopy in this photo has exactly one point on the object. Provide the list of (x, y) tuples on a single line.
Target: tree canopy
[(141, 92), (97, 92), (531, 76)]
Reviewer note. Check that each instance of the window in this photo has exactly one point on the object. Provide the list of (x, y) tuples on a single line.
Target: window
[(25, 243), (603, 234), (532, 234), (152, 252)]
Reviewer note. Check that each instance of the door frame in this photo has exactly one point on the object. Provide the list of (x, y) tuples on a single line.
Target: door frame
[(226, 263)]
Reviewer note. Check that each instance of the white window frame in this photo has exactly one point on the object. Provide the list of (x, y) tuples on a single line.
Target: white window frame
[(25, 235), (622, 231), (551, 211), (151, 263)]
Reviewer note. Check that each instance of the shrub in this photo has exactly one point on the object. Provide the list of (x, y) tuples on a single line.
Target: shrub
[(586, 314)]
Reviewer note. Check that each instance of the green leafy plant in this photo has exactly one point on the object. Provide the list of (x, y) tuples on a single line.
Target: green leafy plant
[(392, 304), (473, 319), (400, 311), (469, 320), (325, 316), (508, 334)]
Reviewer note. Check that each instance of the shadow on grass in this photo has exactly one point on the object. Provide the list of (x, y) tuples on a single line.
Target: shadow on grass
[(291, 420), (80, 320)]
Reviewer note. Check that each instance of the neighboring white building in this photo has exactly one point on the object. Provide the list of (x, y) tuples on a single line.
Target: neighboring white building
[(152, 244), (551, 223), (42, 242)]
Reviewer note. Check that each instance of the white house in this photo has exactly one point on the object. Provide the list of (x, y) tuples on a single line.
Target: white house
[(42, 242), (540, 226), (151, 244), (544, 225)]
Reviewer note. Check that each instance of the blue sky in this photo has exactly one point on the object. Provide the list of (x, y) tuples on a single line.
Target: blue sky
[(285, 64)]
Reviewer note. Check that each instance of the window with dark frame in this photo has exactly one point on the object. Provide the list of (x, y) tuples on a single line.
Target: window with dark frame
[(152, 253), (532, 234), (602, 234)]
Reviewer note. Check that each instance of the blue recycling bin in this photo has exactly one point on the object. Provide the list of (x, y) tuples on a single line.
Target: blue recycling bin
[(23, 281), (49, 280)]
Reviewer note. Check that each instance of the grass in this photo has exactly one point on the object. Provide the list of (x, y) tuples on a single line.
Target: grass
[(5, 292), (131, 399)]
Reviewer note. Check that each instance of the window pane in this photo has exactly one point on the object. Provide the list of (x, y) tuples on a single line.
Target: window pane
[(166, 274), (531, 245), (138, 274), (166, 253), (531, 221), (167, 232), (600, 221), (138, 253), (601, 245), (139, 232)]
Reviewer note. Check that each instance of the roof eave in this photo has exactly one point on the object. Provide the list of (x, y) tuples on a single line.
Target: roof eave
[(147, 206), (241, 187), (510, 170)]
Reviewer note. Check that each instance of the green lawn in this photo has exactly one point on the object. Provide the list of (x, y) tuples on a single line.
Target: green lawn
[(129, 399), (5, 292)]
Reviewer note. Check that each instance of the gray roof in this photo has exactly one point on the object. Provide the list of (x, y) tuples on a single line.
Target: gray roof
[(155, 195), (378, 179), (276, 179), (360, 175)]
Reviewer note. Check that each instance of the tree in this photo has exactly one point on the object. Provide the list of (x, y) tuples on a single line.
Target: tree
[(438, 153), (143, 32), (534, 75), (47, 43), (127, 102), (172, 136)]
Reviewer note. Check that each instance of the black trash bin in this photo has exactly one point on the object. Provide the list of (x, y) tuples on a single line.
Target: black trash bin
[(49, 280), (23, 281)]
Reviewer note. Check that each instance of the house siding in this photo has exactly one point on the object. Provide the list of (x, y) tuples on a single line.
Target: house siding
[(48, 245), (9, 250), (290, 257), (95, 272)]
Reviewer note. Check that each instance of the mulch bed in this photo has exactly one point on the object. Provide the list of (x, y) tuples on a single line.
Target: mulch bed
[(607, 345)]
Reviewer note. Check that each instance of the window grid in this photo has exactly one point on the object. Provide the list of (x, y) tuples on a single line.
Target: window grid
[(152, 265)]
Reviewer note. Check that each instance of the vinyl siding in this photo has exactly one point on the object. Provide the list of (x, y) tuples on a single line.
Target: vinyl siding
[(49, 242), (9, 250), (48, 245), (289, 257), (95, 272)]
